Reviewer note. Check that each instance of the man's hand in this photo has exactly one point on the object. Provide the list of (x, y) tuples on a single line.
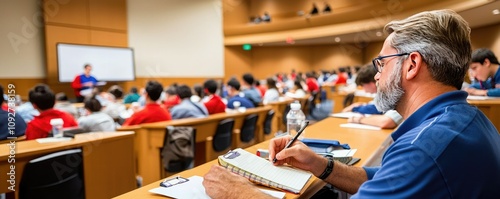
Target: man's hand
[(221, 183), (473, 91), (350, 107), (297, 155), (88, 84)]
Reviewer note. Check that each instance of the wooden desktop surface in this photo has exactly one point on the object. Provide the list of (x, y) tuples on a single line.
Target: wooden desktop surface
[(491, 108), (108, 161), (369, 144)]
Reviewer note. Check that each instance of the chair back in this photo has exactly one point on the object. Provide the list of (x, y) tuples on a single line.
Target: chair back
[(56, 175), (248, 129), (178, 148), (268, 122), (222, 138), (72, 131)]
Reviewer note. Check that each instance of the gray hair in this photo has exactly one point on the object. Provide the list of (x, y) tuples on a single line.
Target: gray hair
[(442, 37)]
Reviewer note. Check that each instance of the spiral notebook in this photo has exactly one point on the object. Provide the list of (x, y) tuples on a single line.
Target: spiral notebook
[(261, 171)]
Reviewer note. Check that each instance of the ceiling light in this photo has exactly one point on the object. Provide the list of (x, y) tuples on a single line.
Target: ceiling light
[(337, 39), (378, 33), (495, 12)]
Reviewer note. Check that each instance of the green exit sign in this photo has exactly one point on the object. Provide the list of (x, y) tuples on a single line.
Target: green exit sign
[(247, 47)]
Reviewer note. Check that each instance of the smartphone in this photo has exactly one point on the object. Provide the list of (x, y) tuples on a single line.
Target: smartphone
[(173, 181)]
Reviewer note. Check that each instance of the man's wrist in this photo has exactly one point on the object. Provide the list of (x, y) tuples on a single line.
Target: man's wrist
[(328, 169)]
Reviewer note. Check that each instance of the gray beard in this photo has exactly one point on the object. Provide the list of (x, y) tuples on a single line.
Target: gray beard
[(387, 98)]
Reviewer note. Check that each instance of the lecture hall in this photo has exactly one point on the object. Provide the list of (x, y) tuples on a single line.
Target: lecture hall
[(249, 99)]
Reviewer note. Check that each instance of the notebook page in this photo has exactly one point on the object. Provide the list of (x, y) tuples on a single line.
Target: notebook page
[(193, 189), (360, 126), (287, 176)]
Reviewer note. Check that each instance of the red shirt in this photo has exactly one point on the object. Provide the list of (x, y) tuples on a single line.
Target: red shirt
[(151, 113), (169, 103), (40, 126), (215, 105), (312, 85), (262, 90), (342, 78)]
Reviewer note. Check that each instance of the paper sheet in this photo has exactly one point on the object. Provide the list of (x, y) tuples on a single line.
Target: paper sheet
[(360, 126), (476, 97), (53, 139), (194, 189), (348, 114)]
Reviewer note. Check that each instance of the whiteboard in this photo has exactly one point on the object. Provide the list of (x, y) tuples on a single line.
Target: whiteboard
[(108, 63)]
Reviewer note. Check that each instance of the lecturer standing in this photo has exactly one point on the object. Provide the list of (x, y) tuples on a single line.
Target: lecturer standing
[(83, 82)]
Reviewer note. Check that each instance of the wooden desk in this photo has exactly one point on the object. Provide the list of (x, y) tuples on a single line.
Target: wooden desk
[(491, 108), (108, 162), (150, 138), (370, 145)]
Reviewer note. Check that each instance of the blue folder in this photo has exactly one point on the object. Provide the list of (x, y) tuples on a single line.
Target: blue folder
[(324, 146)]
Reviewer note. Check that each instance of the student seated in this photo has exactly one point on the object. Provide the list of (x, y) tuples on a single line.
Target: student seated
[(152, 112), (133, 96), (6, 123), (43, 99), (171, 97), (272, 94), (390, 119), (233, 91), (213, 102), (95, 121), (484, 68), (366, 80), (113, 106), (63, 104), (250, 91), (187, 108)]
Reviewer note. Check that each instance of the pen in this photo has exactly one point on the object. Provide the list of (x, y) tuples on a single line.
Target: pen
[(294, 138)]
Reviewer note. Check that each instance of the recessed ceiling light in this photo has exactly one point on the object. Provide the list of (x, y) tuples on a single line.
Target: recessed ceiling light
[(379, 34), (495, 12), (337, 39)]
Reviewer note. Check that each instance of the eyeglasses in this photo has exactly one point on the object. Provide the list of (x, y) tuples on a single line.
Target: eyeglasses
[(379, 65)]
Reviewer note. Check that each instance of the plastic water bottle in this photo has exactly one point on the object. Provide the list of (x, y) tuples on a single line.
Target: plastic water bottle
[(295, 119), (57, 126)]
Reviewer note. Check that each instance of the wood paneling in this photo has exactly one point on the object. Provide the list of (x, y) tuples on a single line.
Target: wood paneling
[(82, 22), (22, 86), (328, 57), (371, 51), (73, 12), (110, 14), (57, 34), (487, 37), (235, 12), (237, 62), (106, 38), (268, 61)]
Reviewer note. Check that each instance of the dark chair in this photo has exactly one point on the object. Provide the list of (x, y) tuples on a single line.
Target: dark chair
[(221, 141), (72, 131), (57, 175), (268, 125), (247, 132), (348, 100), (178, 149)]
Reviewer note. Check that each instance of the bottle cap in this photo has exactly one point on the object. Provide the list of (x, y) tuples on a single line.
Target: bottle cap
[(56, 121), (295, 106)]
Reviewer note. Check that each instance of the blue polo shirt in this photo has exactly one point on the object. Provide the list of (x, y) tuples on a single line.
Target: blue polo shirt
[(245, 102), (446, 149), (84, 79)]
